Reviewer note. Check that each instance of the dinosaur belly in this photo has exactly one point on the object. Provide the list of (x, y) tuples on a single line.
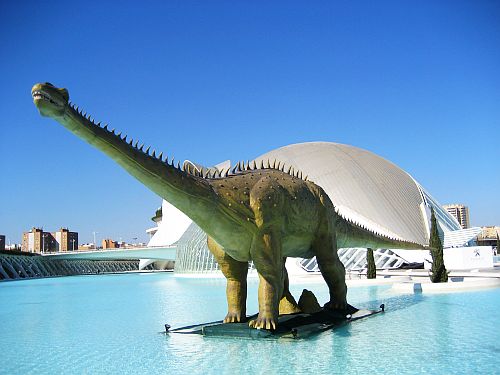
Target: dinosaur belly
[(236, 244), (297, 246)]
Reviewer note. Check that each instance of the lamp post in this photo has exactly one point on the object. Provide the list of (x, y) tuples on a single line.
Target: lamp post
[(44, 235), (95, 243)]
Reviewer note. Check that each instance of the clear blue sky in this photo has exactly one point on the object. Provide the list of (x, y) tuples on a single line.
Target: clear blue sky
[(415, 82)]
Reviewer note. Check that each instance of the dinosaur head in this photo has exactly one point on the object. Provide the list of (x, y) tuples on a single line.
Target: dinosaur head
[(50, 100)]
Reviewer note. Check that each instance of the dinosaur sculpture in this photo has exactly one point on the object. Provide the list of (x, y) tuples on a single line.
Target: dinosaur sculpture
[(263, 213)]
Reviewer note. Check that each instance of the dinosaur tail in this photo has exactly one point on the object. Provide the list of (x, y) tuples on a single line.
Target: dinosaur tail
[(351, 234)]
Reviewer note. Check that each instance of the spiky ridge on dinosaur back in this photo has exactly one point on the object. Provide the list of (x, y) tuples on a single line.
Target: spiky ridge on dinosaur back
[(207, 173)]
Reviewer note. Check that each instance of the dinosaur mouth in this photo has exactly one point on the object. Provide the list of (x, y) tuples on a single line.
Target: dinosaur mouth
[(40, 95)]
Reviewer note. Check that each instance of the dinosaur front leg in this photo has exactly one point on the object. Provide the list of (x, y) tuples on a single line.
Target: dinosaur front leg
[(236, 289), (266, 255), (332, 269)]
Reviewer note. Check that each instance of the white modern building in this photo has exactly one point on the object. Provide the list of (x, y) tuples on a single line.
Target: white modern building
[(362, 185), (171, 225)]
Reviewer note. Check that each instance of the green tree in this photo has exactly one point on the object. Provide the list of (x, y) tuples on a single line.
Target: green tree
[(438, 270), (371, 272)]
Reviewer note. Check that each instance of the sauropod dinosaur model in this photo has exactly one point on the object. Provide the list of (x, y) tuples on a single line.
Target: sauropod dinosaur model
[(264, 213)]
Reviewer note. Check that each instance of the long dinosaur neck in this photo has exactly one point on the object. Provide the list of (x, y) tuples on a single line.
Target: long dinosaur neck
[(350, 234), (184, 190)]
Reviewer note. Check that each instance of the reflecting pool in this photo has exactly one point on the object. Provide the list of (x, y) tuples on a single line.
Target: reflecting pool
[(113, 324)]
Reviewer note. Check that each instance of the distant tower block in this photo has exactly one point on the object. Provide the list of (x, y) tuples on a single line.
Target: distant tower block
[(459, 212)]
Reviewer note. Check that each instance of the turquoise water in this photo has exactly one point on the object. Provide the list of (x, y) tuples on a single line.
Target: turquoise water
[(112, 324)]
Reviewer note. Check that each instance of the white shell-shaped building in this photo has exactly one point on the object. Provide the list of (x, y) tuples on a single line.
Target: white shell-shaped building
[(363, 186)]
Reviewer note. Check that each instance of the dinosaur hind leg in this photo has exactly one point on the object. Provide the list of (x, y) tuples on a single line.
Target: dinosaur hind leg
[(236, 289), (287, 305), (332, 269), (266, 255)]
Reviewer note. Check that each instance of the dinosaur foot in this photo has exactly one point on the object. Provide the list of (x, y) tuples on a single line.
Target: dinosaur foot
[(233, 317), (264, 322), (343, 307), (335, 305)]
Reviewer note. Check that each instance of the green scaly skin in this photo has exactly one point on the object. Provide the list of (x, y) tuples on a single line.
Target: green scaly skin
[(260, 213)]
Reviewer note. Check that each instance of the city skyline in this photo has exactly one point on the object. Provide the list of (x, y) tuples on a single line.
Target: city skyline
[(415, 84)]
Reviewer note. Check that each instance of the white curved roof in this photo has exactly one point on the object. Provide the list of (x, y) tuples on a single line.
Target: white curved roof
[(363, 186)]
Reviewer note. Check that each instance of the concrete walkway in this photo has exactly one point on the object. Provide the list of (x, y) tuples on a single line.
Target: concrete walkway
[(480, 272), (454, 284), (416, 281)]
